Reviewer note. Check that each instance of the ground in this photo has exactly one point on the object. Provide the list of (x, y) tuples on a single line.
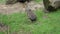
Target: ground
[(18, 23), (18, 7)]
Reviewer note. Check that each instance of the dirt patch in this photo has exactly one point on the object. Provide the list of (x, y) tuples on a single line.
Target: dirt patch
[(19, 7), (8, 9)]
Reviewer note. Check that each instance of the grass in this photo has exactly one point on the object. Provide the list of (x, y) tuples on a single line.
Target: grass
[(38, 1), (2, 1), (43, 25)]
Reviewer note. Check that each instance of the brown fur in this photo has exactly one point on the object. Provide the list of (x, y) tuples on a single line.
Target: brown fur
[(51, 5), (30, 14)]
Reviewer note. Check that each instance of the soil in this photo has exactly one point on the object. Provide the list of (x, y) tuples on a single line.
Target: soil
[(19, 7)]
